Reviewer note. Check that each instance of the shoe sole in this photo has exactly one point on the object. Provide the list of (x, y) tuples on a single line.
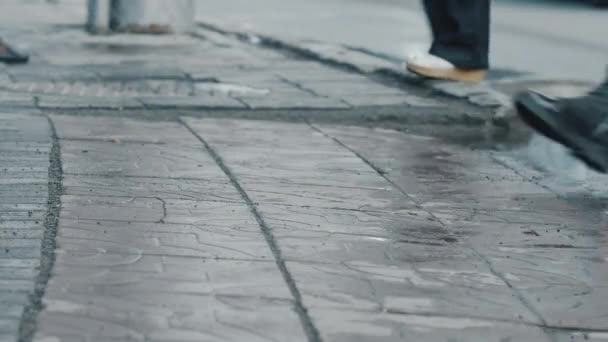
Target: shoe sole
[(9, 56), (591, 153), (454, 74)]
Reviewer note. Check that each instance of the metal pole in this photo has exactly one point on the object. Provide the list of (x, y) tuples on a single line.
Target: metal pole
[(98, 16), (152, 16)]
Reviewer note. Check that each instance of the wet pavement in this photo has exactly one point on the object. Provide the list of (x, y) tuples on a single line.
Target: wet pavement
[(339, 233), (248, 194)]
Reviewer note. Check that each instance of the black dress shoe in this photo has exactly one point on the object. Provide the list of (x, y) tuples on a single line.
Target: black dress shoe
[(581, 124)]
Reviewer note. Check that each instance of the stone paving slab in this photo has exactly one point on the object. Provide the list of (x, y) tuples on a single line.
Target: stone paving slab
[(299, 220), (136, 159), (292, 101), (121, 130), (235, 239), (156, 317), (171, 275), (336, 269), (155, 263), (365, 326), (15, 129), (192, 102), (65, 102), (24, 176), (543, 270), (453, 289), (211, 189)]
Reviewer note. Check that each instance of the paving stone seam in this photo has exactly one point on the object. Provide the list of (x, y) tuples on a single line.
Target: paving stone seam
[(121, 141), (241, 101), (381, 116), (491, 267), (308, 325), (110, 176), (300, 86), (27, 325)]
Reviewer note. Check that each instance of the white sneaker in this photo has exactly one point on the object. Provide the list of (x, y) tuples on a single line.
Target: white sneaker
[(427, 65)]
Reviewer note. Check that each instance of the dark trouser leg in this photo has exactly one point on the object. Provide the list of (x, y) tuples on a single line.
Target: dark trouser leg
[(461, 31)]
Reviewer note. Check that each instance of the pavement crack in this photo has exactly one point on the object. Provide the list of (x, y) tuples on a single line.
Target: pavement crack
[(311, 330), (300, 87), (164, 204), (55, 189)]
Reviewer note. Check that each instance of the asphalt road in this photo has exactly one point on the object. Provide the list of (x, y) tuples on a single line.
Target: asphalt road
[(552, 39)]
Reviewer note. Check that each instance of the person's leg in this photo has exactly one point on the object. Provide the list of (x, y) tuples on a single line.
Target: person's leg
[(580, 124), (461, 30)]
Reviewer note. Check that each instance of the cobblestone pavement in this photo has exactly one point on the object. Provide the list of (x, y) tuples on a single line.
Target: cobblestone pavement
[(143, 197)]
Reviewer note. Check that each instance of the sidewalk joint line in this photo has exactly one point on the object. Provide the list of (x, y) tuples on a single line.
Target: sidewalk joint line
[(28, 322), (309, 328)]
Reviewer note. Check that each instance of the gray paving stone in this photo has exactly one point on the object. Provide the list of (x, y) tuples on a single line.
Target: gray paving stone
[(31, 186), (324, 196), (354, 326), (571, 306), (8, 326), (19, 127), (518, 216), (318, 74), (580, 336), (11, 310), (121, 130), (556, 269), (446, 288), (101, 241), (192, 102), (137, 71), (148, 209), (261, 134), (179, 317), (365, 100), (496, 235), (293, 101), (303, 159), (320, 247), (347, 87), (19, 262), (297, 159), (9, 99), (132, 159), (117, 208), (411, 225), (73, 102), (40, 199), (35, 233), (37, 73), (169, 275), (17, 285), (9, 243), (22, 216), (14, 273), (13, 255), (211, 189)]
